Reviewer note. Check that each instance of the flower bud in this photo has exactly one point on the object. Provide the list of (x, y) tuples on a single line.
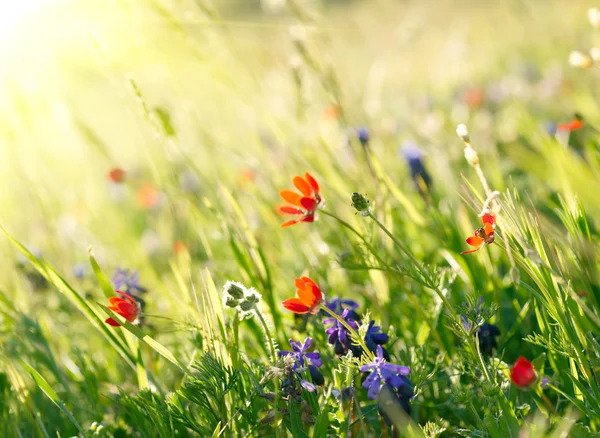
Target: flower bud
[(463, 133), (579, 59), (360, 203), (231, 302), (236, 290), (594, 17)]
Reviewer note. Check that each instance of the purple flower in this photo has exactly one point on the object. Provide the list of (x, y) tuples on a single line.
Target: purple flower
[(544, 381), (414, 157), (375, 337), (383, 373), (337, 332), (363, 135), (127, 282), (304, 358), (338, 305)]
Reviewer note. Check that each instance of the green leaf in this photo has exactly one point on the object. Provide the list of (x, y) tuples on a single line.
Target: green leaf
[(51, 394), (322, 423), (103, 280)]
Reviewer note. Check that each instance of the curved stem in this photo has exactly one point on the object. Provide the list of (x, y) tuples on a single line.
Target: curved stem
[(267, 333), (348, 327)]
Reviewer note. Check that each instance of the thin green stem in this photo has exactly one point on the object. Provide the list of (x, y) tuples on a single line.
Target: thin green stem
[(267, 331), (348, 327)]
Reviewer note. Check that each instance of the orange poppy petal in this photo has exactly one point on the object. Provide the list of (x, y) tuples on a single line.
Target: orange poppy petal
[(290, 197), (295, 305), (308, 203), (472, 250), (313, 182), (299, 282), (126, 308), (489, 229), (289, 223), (114, 300), (302, 185), (488, 219), (287, 209), (475, 241)]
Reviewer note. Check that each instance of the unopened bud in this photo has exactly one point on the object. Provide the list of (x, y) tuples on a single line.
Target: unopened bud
[(236, 290), (580, 60), (463, 133), (594, 17), (471, 156), (360, 203), (231, 302)]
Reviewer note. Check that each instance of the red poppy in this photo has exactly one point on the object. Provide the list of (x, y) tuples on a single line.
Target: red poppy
[(125, 305), (179, 247), (523, 373), (474, 97), (304, 204), (309, 298), (573, 125), (116, 175), (482, 235)]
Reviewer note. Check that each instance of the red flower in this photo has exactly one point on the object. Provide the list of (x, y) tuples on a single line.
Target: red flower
[(573, 125), (125, 305), (523, 373), (303, 205), (482, 235), (149, 196), (116, 175), (309, 298)]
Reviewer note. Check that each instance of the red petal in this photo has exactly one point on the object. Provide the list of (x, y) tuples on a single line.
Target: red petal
[(112, 322), (489, 219), (303, 186), (126, 308), (308, 203), (522, 373), (290, 197), (308, 218), (313, 182), (287, 209), (489, 229), (114, 300), (475, 241), (289, 223), (296, 306), (471, 250)]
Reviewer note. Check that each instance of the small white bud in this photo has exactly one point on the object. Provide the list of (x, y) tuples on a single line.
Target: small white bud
[(471, 156), (463, 133), (595, 54), (594, 17), (579, 59)]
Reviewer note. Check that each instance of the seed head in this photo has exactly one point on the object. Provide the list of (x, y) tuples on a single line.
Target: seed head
[(471, 156), (463, 133), (360, 203)]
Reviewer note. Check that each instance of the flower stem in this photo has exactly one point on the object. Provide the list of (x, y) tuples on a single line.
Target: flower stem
[(353, 332), (267, 331)]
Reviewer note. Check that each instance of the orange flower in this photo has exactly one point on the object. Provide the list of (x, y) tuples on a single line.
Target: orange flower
[(148, 196), (331, 113), (573, 125), (309, 298), (474, 97), (303, 205), (482, 235), (125, 305), (116, 175), (179, 247)]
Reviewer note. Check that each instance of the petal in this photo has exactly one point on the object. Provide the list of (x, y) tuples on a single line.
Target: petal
[(112, 322), (367, 367), (472, 250), (313, 182), (296, 306), (489, 229), (488, 219), (306, 343), (303, 186), (114, 300), (398, 369), (126, 308), (310, 387), (475, 241), (308, 218), (371, 378), (290, 197), (288, 209), (374, 390), (289, 223), (308, 203)]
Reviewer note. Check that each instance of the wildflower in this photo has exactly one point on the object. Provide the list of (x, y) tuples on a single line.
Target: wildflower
[(413, 156), (383, 373), (309, 298), (338, 305), (128, 282), (116, 175), (550, 128), (374, 337), (573, 125), (544, 381), (523, 373), (463, 133), (482, 235), (363, 136), (594, 17), (237, 296), (361, 204), (579, 59), (124, 305), (304, 359), (149, 196), (303, 205), (337, 334), (474, 97)]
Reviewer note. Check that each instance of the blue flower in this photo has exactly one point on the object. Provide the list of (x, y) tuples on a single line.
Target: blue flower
[(123, 280), (338, 305), (382, 373), (375, 337), (413, 156), (305, 359), (363, 135)]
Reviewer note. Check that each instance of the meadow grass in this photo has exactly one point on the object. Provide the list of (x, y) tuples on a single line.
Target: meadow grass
[(154, 136)]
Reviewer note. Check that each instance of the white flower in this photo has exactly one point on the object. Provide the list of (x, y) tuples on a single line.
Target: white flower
[(463, 132), (579, 59), (594, 17)]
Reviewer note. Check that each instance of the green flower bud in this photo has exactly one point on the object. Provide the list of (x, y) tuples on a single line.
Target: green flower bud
[(360, 203), (236, 290)]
